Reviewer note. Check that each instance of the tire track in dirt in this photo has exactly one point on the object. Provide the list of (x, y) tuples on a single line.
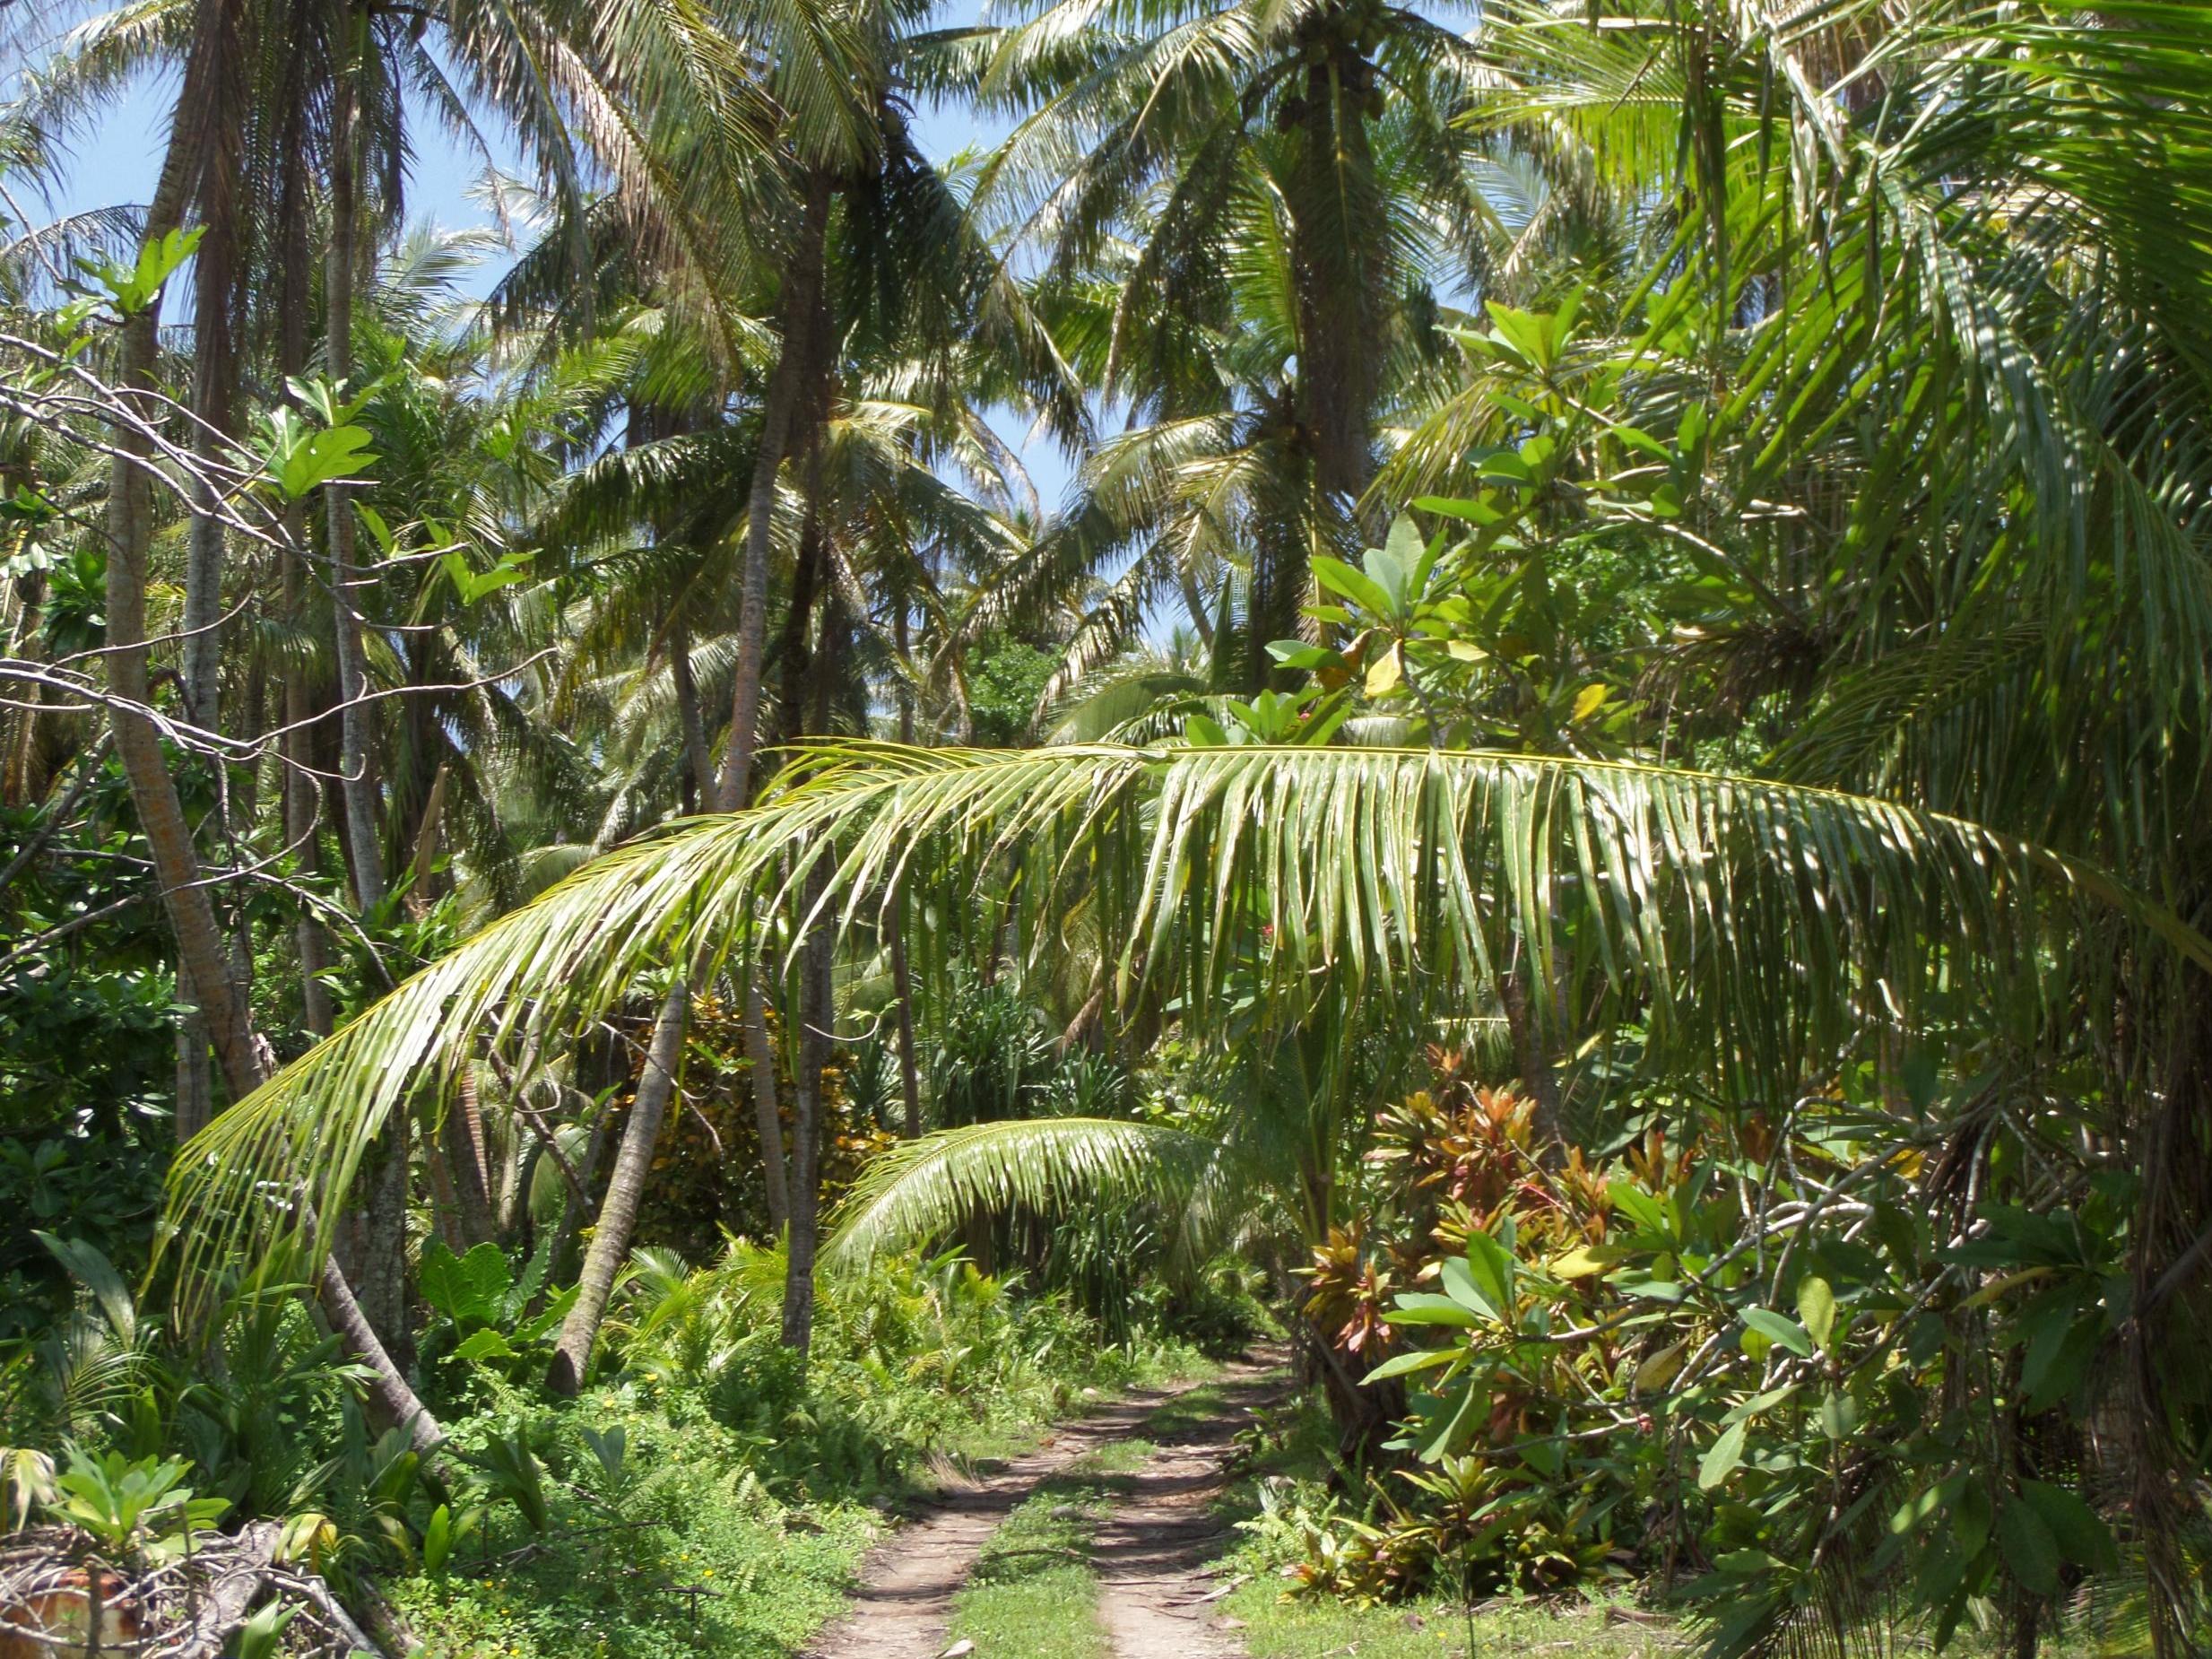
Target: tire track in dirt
[(1162, 1532), (909, 1579)]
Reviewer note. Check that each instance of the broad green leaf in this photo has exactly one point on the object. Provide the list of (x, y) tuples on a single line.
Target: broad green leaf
[(2080, 1534), (2029, 1549), (438, 1541), (1839, 1415), (1780, 1329), (1816, 1309), (1585, 1260), (1355, 586), (1490, 1262), (1936, 1499), (486, 1345), (1970, 1518), (96, 1274), (1406, 1365), (131, 291), (1419, 1308), (1298, 654), (468, 1290), (1720, 1460), (1656, 1372)]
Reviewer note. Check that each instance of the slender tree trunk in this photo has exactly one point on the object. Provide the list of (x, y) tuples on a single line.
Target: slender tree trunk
[(1338, 269), (796, 366), (371, 1239), (817, 1010), (767, 1110), (573, 1207), (201, 950), (902, 981), (21, 784), (202, 957), (458, 1166), (358, 784), (902, 990), (789, 387), (215, 360), (1337, 273), (618, 1211), (196, 1078), (302, 793), (390, 1389), (818, 1017), (696, 756)]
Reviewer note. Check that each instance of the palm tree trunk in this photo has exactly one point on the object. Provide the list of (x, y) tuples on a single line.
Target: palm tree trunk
[(215, 363), (902, 981), (1336, 276), (374, 1257), (201, 950), (459, 1180), (804, 297), (817, 1015), (302, 795), (202, 957), (767, 1110), (618, 1211), (357, 785), (195, 1078), (817, 1009), (398, 1402), (697, 758), (902, 992), (796, 366)]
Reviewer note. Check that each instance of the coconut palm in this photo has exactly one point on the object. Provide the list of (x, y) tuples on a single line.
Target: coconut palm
[(1188, 152)]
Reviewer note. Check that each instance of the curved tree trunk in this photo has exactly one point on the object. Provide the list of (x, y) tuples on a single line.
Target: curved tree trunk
[(618, 1211), (202, 954)]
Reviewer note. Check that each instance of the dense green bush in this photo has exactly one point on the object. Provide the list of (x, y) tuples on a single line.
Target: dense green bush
[(708, 1492)]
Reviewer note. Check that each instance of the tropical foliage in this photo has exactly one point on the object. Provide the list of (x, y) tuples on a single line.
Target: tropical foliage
[(1598, 785)]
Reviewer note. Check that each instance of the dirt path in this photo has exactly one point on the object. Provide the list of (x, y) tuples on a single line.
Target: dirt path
[(1162, 1531), (1145, 1551)]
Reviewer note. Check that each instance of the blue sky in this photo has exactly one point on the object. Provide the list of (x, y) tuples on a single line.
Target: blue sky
[(114, 161)]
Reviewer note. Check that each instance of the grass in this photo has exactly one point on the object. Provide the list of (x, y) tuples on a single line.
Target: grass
[(740, 1538), (1033, 1592)]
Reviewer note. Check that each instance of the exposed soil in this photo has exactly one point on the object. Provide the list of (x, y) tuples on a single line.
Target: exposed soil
[(1162, 1534), (1148, 1553)]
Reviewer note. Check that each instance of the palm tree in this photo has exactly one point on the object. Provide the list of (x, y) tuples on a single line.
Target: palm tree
[(556, 72), (1307, 152)]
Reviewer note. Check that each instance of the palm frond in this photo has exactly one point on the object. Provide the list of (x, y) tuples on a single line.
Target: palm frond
[(921, 1189), (1753, 922)]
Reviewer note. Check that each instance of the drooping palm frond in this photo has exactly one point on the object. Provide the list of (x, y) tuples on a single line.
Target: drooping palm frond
[(921, 1189), (1754, 922)]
